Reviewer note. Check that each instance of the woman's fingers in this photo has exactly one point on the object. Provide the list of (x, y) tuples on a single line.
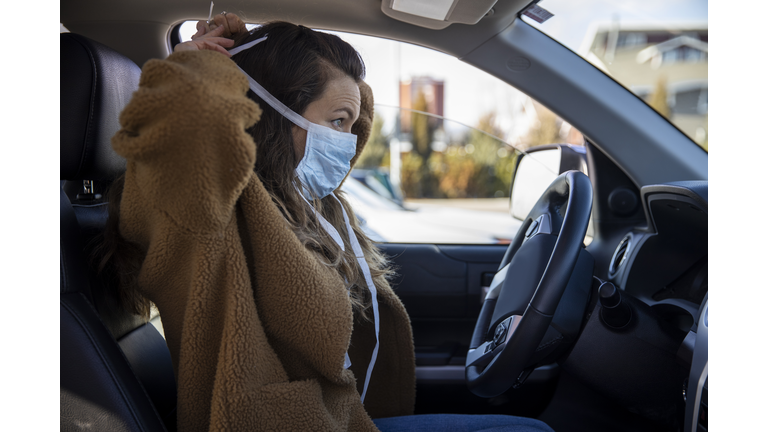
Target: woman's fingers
[(215, 35), (232, 24), (216, 32), (202, 29), (210, 42), (218, 44)]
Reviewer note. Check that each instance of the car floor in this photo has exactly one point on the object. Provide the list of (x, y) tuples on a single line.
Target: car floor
[(577, 408)]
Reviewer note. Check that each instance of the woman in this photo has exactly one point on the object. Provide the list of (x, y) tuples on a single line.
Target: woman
[(275, 305)]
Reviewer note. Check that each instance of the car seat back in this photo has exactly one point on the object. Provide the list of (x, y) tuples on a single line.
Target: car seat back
[(116, 371)]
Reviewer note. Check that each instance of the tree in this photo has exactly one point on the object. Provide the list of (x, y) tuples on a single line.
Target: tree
[(411, 175), (545, 131), (422, 135), (456, 173), (478, 167), (495, 159), (658, 99), (376, 152), (485, 147), (422, 131)]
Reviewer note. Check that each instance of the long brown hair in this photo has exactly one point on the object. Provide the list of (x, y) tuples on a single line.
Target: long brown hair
[(294, 64)]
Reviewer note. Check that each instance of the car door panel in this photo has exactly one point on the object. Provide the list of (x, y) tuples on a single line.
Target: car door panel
[(441, 288)]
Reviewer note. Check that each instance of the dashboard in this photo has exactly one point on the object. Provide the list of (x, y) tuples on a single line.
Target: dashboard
[(664, 265), (665, 262)]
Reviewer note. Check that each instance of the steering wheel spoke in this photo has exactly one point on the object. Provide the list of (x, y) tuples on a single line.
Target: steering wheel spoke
[(481, 355), (487, 351)]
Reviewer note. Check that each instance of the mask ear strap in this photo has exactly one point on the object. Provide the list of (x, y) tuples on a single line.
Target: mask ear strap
[(272, 101), (250, 44), (265, 95), (371, 287), (324, 223), (276, 104)]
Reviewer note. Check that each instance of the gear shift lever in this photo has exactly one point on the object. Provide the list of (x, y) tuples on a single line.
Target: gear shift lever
[(614, 313)]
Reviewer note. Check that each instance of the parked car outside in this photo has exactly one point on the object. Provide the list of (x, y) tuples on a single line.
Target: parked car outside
[(385, 220)]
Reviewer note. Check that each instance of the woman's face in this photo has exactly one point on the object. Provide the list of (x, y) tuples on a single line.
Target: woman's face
[(337, 108)]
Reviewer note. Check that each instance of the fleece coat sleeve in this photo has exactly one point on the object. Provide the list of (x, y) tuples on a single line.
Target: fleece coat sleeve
[(257, 327)]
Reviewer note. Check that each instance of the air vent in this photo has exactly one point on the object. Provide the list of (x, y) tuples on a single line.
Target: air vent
[(618, 258)]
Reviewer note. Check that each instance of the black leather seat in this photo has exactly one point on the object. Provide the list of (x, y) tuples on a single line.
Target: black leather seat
[(116, 371)]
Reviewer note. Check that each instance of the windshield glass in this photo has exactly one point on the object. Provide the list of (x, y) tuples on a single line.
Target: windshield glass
[(658, 49)]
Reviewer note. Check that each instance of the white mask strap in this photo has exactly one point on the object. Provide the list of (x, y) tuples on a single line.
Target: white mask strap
[(264, 94), (368, 281), (325, 224), (276, 104), (244, 47), (371, 287)]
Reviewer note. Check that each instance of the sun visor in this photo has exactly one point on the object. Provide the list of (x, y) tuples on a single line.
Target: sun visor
[(437, 14)]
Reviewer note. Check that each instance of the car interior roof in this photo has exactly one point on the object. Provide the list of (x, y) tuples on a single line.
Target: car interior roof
[(98, 20)]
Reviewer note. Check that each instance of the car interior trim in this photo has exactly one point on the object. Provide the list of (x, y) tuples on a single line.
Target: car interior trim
[(699, 371)]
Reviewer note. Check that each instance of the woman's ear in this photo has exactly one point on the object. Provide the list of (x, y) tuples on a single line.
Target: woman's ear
[(362, 127)]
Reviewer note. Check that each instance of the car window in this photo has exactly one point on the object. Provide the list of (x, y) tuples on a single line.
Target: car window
[(451, 181), (445, 140)]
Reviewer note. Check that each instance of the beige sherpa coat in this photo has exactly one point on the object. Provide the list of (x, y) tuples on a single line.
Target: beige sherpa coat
[(256, 326)]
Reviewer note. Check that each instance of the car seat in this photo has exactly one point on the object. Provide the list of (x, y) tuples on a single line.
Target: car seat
[(116, 371)]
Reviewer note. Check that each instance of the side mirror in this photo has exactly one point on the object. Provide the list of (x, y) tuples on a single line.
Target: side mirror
[(537, 169)]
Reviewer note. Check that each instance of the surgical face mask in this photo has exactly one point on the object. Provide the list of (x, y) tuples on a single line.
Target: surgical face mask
[(326, 159), (327, 153)]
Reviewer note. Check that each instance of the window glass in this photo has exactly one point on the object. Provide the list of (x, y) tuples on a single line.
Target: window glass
[(657, 49), (449, 182), (445, 141)]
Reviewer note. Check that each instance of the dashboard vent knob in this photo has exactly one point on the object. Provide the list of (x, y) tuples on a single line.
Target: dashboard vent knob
[(620, 255)]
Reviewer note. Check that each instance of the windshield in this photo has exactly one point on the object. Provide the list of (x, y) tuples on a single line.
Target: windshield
[(658, 49)]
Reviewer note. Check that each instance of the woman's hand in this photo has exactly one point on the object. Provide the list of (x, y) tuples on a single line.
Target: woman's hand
[(232, 24), (216, 35)]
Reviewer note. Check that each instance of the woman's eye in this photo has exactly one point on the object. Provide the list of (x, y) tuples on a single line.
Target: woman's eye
[(337, 123)]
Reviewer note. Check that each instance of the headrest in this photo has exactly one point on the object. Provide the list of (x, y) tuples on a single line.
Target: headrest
[(96, 83)]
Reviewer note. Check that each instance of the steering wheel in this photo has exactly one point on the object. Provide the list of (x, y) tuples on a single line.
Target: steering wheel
[(526, 290)]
